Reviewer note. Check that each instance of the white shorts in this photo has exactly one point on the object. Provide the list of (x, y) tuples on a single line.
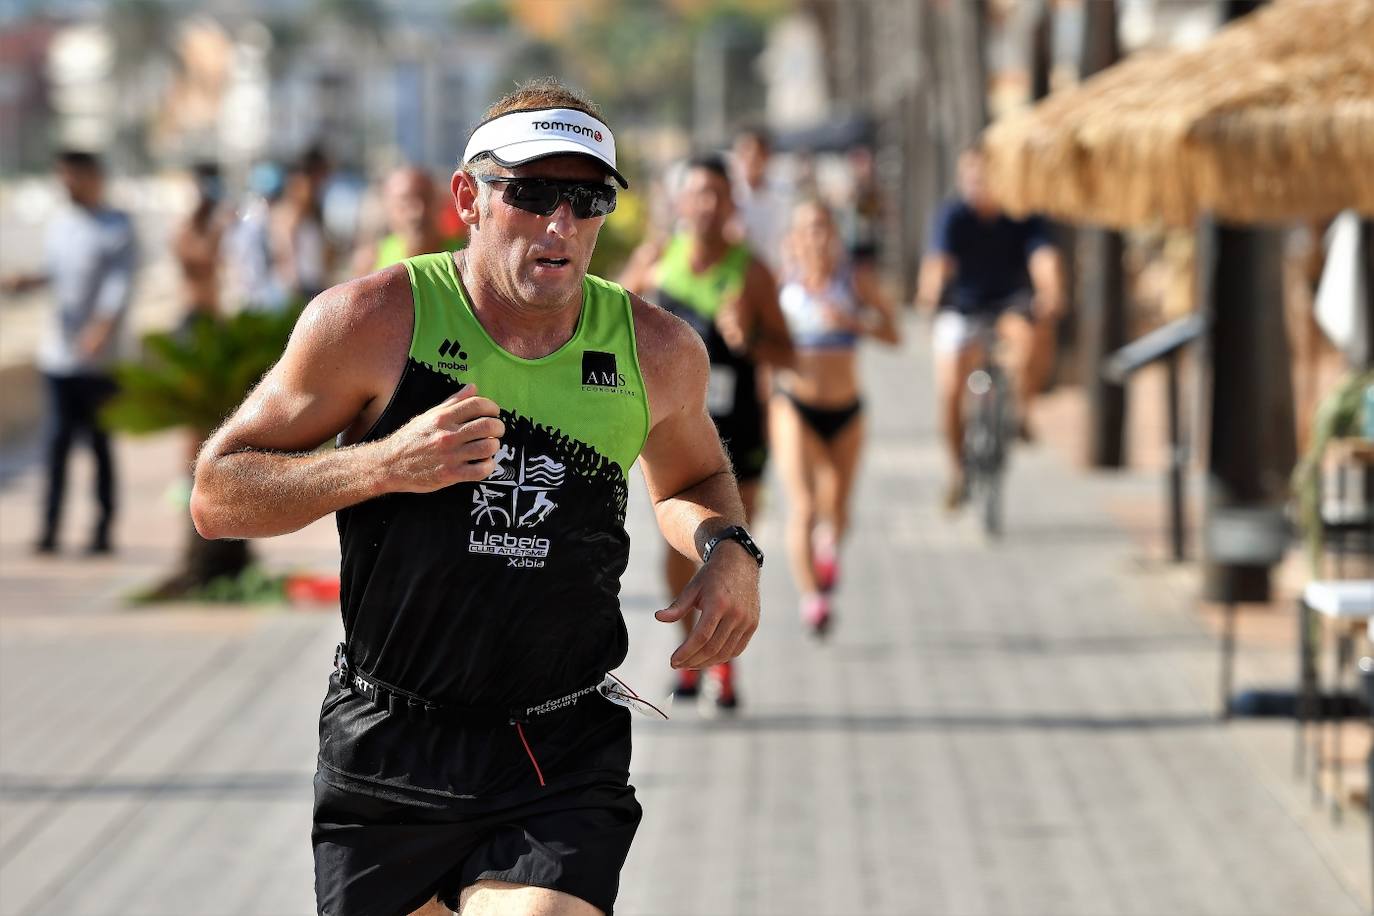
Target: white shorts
[(955, 331)]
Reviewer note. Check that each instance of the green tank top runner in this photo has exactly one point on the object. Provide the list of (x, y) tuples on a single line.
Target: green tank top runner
[(703, 293), (391, 249), (566, 390)]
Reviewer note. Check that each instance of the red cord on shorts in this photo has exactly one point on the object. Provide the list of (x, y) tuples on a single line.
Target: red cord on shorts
[(537, 772)]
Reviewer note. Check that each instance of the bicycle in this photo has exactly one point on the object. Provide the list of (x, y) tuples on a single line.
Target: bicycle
[(989, 427)]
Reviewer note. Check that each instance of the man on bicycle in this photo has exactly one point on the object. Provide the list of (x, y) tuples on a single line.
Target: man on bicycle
[(983, 269)]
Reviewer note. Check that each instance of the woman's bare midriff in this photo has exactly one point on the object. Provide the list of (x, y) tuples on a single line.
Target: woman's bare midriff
[(823, 377)]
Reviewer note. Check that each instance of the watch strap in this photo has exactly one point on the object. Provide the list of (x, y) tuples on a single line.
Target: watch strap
[(734, 533)]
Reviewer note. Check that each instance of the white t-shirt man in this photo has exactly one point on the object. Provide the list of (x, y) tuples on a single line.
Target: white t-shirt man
[(90, 256)]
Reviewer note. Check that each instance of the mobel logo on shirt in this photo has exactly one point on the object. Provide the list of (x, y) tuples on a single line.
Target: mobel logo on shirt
[(454, 349), (599, 371)]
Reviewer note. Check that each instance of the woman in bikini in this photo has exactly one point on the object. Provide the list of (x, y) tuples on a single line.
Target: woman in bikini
[(817, 424)]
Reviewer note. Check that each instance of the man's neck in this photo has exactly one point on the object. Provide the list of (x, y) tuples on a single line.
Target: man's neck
[(422, 241), (527, 331), (985, 211), (708, 248)]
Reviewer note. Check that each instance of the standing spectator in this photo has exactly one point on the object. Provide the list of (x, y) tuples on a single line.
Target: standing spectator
[(762, 206), (301, 255), (197, 246), (249, 248), (864, 211), (89, 258)]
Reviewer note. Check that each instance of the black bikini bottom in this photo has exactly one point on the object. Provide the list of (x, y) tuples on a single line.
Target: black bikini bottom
[(826, 422)]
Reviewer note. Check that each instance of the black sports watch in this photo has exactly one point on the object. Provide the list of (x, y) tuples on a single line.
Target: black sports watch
[(733, 533)]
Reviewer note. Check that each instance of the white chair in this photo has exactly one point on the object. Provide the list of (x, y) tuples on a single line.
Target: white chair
[(1339, 601)]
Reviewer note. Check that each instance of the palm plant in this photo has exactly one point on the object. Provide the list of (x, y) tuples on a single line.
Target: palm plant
[(193, 379), (1338, 415)]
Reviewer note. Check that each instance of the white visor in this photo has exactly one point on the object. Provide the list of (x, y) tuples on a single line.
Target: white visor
[(524, 136)]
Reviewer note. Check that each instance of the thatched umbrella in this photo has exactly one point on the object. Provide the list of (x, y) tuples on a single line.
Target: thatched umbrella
[(1271, 120)]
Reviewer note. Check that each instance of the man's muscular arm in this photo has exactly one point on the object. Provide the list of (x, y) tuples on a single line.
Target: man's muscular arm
[(257, 476), (769, 341), (694, 491)]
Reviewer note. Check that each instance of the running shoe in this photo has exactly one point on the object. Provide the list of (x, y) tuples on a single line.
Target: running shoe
[(816, 614), (719, 693), (686, 685), (825, 561)]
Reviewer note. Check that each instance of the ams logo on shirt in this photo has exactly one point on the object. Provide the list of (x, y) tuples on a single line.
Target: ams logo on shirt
[(599, 372)]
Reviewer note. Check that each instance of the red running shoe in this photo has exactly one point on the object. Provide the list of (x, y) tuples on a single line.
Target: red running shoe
[(816, 614), (825, 560), (720, 689), (686, 685)]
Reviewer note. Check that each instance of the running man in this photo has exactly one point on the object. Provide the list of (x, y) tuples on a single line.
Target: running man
[(729, 297), (817, 420), (467, 756), (986, 268), (410, 200)]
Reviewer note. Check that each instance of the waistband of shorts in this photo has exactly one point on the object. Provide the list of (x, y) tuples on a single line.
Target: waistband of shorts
[(398, 702)]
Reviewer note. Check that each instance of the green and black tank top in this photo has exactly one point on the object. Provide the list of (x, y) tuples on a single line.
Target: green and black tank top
[(505, 591), (391, 248), (696, 298)]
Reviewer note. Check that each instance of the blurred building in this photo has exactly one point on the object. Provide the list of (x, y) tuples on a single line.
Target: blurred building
[(245, 81), (25, 108)]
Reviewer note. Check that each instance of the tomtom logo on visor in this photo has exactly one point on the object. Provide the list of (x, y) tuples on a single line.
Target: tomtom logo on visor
[(570, 128)]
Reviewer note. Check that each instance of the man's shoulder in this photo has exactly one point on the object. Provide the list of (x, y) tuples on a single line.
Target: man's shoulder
[(359, 309), (661, 336), (672, 357), (956, 209), (116, 219)]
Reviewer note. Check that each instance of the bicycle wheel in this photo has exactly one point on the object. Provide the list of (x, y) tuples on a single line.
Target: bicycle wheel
[(994, 433)]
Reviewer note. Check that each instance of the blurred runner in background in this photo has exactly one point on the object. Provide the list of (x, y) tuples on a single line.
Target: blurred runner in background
[(411, 204), (728, 295), (817, 420)]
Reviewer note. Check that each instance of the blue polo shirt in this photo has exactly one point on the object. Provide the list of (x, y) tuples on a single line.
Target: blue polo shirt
[(990, 255)]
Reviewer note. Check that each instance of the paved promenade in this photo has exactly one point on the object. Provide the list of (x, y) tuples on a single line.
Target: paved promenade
[(1026, 727)]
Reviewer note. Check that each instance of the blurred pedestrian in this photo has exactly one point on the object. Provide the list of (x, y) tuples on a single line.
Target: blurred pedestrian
[(301, 252), (817, 422), (986, 270), (862, 215), (729, 297), (197, 246), (90, 254), (252, 274), (410, 201), (762, 202)]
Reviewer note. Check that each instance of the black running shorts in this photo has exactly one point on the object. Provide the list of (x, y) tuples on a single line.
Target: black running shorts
[(382, 857), (746, 446), (405, 812)]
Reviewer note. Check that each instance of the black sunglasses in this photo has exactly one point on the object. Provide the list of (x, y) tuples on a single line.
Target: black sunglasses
[(589, 199)]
